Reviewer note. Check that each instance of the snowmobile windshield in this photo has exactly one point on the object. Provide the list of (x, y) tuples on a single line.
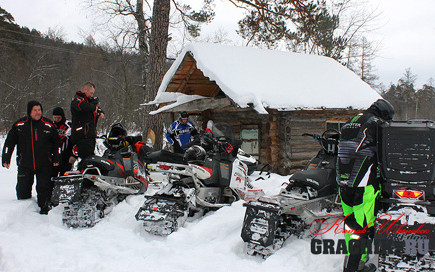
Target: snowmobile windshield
[(223, 130)]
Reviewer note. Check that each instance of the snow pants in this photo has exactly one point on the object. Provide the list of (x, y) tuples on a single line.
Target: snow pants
[(85, 147), (360, 206), (44, 186)]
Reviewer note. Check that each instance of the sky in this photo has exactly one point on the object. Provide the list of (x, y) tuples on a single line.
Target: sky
[(405, 30)]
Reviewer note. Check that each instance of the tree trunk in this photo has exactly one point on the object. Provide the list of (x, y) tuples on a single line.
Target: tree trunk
[(142, 38), (157, 60)]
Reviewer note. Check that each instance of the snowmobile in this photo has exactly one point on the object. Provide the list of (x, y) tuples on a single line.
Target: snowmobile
[(250, 161), (407, 217), (100, 183), (310, 195), (203, 181)]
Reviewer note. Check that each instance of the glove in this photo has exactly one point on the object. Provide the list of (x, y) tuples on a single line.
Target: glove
[(130, 139)]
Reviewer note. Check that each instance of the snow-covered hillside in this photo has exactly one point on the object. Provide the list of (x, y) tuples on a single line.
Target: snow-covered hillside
[(33, 242)]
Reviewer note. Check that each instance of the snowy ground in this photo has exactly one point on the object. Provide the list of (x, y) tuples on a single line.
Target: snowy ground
[(33, 242)]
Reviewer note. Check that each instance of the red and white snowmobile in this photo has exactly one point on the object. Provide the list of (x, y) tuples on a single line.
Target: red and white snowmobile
[(202, 181)]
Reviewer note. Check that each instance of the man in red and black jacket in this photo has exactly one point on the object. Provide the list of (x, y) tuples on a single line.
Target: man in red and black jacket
[(38, 150), (85, 113)]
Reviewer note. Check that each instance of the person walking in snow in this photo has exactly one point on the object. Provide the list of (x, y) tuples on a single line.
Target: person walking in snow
[(359, 181), (63, 127), (181, 132), (85, 113), (38, 150)]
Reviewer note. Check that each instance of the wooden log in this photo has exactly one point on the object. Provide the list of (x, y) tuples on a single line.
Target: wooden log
[(275, 142), (200, 105), (273, 125), (273, 133), (303, 156)]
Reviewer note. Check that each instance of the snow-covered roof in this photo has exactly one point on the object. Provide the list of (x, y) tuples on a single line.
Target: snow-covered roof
[(272, 79)]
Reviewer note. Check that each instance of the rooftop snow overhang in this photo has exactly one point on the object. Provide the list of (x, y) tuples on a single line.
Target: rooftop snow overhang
[(262, 80), (185, 84)]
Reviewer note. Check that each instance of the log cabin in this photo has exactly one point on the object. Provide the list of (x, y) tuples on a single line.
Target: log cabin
[(269, 97)]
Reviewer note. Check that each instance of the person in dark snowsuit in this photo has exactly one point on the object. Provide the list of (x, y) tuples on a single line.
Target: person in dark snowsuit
[(181, 132), (359, 180), (63, 127), (38, 150), (85, 113)]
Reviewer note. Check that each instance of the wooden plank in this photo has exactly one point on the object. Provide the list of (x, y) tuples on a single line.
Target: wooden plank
[(193, 81), (202, 105), (183, 84), (303, 149), (303, 156)]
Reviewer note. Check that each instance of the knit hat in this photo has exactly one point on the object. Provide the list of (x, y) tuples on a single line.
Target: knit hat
[(59, 111), (30, 106)]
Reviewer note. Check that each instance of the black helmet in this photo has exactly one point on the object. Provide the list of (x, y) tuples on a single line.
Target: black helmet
[(383, 109), (195, 153), (184, 115), (116, 135)]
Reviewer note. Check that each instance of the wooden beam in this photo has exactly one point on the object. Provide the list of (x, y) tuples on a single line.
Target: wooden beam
[(202, 105), (181, 87), (216, 90)]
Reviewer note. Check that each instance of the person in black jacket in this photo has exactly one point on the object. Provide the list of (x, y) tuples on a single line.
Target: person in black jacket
[(85, 113), (359, 180), (63, 127), (38, 150)]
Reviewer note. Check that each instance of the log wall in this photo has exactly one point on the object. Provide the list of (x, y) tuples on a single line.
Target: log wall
[(281, 142), (296, 150)]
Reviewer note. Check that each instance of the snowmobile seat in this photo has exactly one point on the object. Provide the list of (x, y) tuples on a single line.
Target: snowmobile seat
[(322, 180), (103, 164), (164, 156)]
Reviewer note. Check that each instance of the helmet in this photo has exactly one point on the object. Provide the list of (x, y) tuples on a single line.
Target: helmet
[(384, 109), (116, 135), (183, 115), (195, 153)]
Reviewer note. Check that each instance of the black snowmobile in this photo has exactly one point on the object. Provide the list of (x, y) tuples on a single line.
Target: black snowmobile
[(308, 196), (100, 183), (405, 227), (202, 181)]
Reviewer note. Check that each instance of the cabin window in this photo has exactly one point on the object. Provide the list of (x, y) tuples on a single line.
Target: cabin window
[(334, 125), (251, 140)]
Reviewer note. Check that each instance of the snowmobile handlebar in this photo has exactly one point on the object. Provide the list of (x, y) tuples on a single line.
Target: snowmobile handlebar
[(328, 140)]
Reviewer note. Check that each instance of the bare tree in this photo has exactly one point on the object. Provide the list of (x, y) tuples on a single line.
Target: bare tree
[(152, 43)]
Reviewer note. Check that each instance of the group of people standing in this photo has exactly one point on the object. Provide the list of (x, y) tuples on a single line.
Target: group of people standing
[(45, 148), (48, 148)]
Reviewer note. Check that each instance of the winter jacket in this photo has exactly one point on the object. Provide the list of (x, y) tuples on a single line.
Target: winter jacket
[(84, 117), (180, 134), (357, 153), (64, 129), (38, 143)]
